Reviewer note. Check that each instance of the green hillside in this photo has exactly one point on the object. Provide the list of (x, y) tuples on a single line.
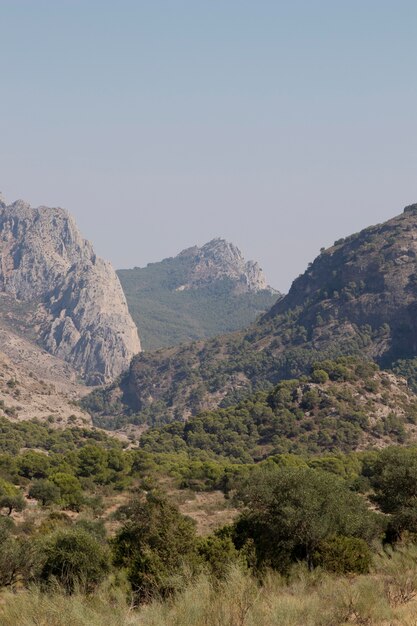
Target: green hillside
[(344, 405)]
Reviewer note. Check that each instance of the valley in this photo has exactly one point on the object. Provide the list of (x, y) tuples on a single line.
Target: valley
[(284, 450)]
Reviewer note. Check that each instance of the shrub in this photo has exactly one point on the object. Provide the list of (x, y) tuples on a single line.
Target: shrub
[(218, 552), (153, 544), (74, 558), (46, 491), (10, 497), (343, 555), (319, 376)]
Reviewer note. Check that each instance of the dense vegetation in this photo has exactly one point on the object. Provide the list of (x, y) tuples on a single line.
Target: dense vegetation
[(293, 511), (166, 316), (342, 405), (167, 385), (62, 535)]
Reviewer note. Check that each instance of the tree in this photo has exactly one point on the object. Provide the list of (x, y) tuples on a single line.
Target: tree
[(291, 511), (33, 464), (319, 376), (92, 461), (394, 479), (11, 497), (46, 491), (70, 490), (152, 544), (15, 555), (74, 558)]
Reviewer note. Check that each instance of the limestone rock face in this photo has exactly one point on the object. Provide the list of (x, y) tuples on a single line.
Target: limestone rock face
[(219, 259), (81, 314)]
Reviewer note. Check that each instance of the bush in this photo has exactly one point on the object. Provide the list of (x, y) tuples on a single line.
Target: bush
[(218, 552), (10, 497), (70, 490), (45, 491), (74, 558), (343, 555), (152, 544), (319, 376)]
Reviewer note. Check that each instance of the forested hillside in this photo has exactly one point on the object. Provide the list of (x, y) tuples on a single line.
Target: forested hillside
[(343, 405)]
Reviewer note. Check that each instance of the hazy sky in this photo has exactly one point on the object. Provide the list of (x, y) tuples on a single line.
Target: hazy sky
[(279, 125)]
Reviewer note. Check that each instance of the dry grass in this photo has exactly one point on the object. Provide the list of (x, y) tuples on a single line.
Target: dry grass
[(387, 597), (210, 510)]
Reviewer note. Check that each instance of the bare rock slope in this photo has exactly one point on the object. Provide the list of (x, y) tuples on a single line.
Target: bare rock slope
[(75, 304)]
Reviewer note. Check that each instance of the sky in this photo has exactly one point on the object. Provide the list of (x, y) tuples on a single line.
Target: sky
[(160, 124)]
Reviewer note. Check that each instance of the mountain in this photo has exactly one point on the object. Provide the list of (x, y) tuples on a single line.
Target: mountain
[(357, 297), (70, 300), (200, 293)]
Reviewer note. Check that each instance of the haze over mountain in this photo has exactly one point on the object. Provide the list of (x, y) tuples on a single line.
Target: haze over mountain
[(358, 297), (74, 306), (200, 293)]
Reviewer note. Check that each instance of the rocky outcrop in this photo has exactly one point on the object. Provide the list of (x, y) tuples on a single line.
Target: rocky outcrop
[(218, 259), (81, 313)]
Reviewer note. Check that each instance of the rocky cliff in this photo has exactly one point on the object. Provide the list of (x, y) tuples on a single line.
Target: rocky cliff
[(78, 309)]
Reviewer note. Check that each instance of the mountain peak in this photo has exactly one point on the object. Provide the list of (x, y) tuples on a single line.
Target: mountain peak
[(219, 259)]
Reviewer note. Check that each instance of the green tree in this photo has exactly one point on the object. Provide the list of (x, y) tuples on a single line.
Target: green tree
[(33, 464), (291, 511), (152, 544), (92, 461), (70, 490), (319, 376), (394, 479), (15, 555), (46, 491), (74, 558), (11, 497)]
